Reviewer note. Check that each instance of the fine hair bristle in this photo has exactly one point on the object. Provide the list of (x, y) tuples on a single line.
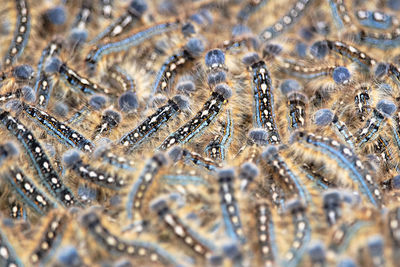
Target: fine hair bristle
[(28, 94)]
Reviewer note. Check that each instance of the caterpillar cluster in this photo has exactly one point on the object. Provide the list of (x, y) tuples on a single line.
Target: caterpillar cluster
[(200, 133)]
